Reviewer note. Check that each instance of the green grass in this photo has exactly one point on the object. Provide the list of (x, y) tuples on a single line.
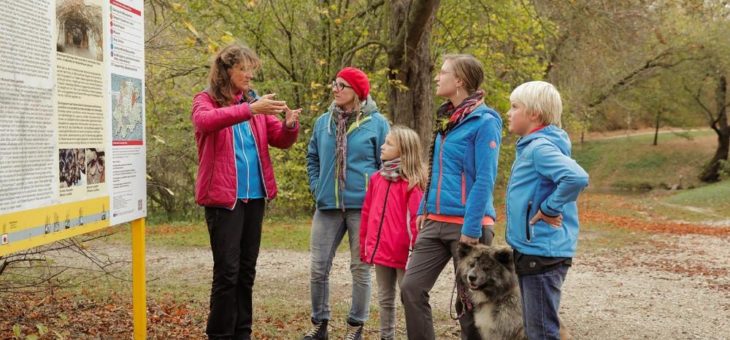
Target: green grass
[(714, 196), (633, 163), (278, 233)]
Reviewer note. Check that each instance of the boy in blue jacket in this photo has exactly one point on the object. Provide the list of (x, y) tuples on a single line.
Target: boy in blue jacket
[(542, 215)]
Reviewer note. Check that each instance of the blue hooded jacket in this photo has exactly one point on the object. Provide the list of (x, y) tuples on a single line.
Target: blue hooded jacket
[(464, 170), (364, 138), (544, 177)]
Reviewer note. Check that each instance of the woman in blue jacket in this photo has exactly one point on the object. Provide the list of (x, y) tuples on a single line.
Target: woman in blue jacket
[(343, 152), (458, 202)]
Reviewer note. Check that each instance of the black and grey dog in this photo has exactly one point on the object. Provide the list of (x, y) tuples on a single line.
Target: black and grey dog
[(494, 291)]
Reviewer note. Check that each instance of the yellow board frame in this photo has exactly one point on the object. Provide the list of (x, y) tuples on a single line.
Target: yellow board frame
[(24, 221)]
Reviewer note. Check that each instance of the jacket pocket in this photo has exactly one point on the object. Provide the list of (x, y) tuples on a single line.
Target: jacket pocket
[(463, 188), (528, 233)]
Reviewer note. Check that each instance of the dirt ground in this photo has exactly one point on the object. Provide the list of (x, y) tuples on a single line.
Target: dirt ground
[(665, 287), (636, 279)]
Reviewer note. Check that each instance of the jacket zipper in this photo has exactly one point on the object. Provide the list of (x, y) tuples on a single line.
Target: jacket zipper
[(441, 169), (337, 187), (235, 167), (382, 218), (258, 152), (527, 221)]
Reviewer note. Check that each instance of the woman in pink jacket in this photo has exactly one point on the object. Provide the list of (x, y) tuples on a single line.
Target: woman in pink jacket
[(388, 223), (233, 130)]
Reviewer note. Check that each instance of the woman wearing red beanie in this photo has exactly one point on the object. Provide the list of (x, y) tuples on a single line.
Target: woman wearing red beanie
[(343, 152)]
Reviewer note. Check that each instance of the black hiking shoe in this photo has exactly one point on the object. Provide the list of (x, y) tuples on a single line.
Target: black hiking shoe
[(318, 331), (354, 332)]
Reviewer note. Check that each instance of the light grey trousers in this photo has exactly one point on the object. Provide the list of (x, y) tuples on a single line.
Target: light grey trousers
[(388, 279)]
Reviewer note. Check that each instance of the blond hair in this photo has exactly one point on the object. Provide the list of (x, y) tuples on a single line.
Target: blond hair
[(468, 69), (219, 81), (412, 167), (542, 98)]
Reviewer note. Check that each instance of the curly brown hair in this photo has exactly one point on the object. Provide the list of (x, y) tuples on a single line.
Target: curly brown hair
[(219, 82)]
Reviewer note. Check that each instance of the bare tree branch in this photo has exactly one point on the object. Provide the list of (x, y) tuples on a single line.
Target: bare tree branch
[(657, 61), (697, 98), (372, 7), (51, 276), (348, 55)]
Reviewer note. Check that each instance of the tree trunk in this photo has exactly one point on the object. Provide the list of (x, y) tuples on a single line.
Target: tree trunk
[(325, 34), (656, 128), (409, 60), (711, 173)]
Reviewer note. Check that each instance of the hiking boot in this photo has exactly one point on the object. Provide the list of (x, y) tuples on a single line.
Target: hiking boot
[(318, 331), (354, 332)]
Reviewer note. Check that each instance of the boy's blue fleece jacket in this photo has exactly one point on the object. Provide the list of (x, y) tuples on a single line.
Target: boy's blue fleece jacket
[(544, 177)]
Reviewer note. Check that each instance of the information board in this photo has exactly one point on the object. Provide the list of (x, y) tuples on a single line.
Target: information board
[(72, 118)]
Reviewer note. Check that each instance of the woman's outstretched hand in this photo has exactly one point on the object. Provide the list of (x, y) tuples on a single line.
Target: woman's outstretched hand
[(292, 117), (267, 105)]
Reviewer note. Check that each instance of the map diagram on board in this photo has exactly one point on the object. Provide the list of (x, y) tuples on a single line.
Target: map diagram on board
[(127, 103)]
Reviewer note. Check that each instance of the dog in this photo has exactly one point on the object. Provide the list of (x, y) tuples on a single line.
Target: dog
[(494, 291)]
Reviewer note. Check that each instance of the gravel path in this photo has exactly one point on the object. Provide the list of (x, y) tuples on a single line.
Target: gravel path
[(670, 287)]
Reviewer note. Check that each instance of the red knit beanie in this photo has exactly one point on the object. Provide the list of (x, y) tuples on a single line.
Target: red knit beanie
[(357, 79)]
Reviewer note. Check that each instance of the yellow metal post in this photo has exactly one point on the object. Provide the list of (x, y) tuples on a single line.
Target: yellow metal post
[(139, 293)]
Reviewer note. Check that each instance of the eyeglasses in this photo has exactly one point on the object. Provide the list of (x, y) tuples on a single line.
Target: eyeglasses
[(339, 86)]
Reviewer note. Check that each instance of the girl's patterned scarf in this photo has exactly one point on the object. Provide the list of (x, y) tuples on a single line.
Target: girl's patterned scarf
[(447, 116), (391, 170), (343, 120)]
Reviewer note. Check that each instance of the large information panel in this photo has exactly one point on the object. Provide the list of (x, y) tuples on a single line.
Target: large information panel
[(72, 118)]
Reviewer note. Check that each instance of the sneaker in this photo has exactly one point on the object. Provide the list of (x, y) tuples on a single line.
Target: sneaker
[(354, 332), (318, 331)]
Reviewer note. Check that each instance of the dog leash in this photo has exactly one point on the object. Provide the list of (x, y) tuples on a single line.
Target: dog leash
[(465, 301)]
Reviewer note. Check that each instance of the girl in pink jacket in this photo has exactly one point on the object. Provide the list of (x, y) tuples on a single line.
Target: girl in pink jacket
[(388, 222)]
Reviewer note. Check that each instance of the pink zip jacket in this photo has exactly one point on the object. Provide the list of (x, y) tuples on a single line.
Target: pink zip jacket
[(388, 222), (215, 185)]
